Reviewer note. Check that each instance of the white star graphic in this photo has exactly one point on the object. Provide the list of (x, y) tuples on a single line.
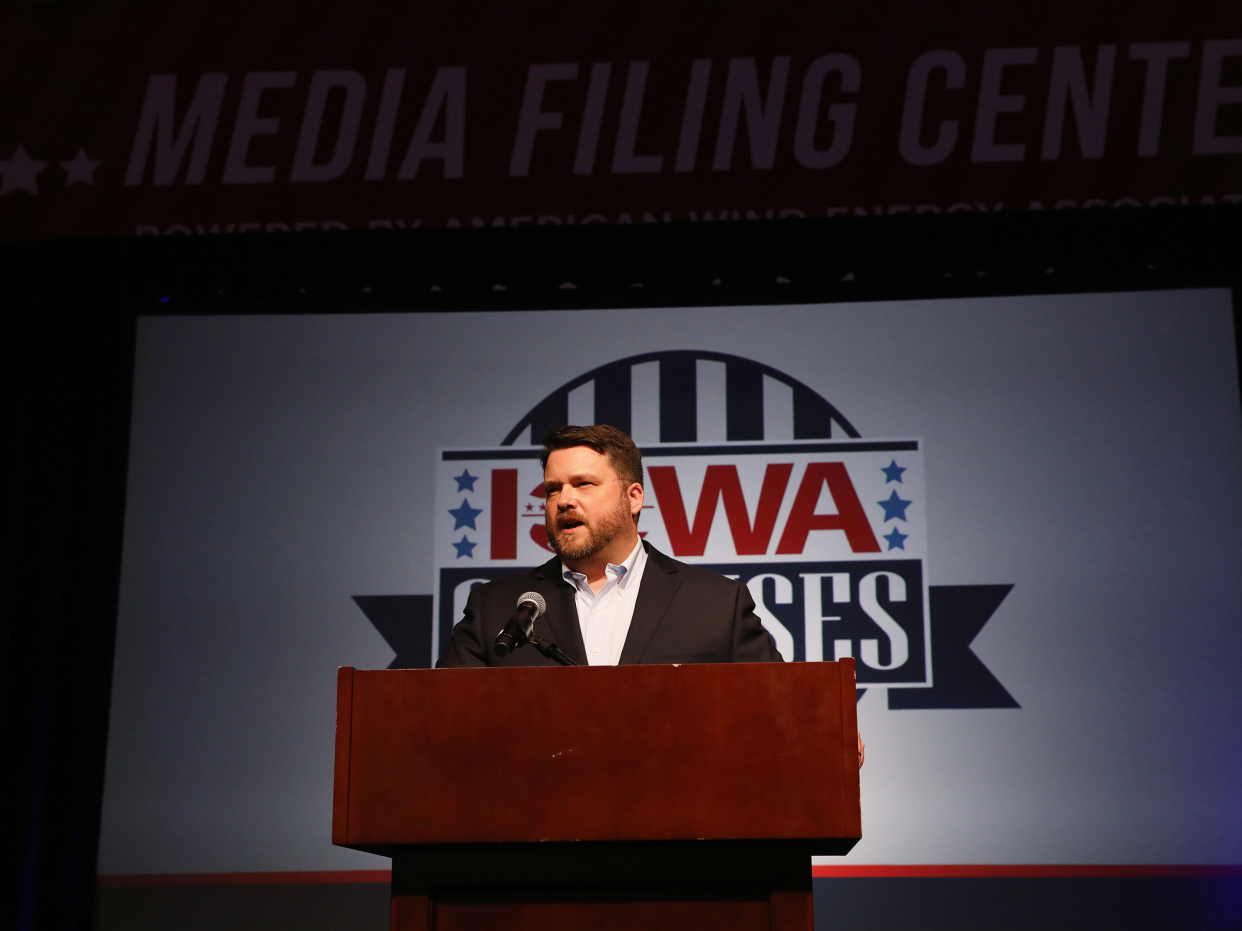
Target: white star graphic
[(20, 172), (80, 169)]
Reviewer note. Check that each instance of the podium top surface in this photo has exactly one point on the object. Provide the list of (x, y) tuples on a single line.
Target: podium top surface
[(762, 751)]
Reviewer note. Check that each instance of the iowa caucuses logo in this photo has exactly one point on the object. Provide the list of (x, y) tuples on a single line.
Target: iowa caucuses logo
[(752, 474)]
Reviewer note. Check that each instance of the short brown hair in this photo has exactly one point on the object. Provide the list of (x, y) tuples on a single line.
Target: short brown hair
[(605, 440)]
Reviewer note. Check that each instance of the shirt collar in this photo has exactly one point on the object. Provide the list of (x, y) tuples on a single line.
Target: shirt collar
[(619, 573)]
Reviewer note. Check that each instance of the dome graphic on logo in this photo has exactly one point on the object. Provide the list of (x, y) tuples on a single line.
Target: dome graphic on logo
[(687, 396)]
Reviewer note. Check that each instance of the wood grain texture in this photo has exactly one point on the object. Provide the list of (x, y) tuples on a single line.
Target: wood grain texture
[(851, 804), (340, 777), (792, 911), (601, 916), (412, 913), (624, 753)]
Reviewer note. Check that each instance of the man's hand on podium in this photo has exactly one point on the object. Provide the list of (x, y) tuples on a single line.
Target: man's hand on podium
[(862, 750)]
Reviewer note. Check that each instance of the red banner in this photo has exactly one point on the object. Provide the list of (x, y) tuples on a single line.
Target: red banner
[(166, 118)]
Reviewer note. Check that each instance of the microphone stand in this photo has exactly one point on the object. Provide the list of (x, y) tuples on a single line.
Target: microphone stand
[(550, 650)]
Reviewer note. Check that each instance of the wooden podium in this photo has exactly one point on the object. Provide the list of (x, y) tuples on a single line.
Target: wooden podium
[(599, 798)]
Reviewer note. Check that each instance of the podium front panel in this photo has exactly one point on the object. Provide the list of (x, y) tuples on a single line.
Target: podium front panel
[(614, 753)]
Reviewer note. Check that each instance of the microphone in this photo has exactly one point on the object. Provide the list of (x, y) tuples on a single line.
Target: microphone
[(522, 625)]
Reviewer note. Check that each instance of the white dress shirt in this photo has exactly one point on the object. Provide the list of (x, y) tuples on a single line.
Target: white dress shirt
[(605, 617)]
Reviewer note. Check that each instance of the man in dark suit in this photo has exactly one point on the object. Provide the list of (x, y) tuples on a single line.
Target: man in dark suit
[(611, 598)]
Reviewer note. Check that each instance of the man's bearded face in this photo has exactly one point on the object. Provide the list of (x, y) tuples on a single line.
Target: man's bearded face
[(591, 533)]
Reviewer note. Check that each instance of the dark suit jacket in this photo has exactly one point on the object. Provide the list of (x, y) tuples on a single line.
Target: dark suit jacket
[(683, 614)]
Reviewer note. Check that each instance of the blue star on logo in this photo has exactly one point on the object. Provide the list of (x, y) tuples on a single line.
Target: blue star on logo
[(894, 507), (464, 547), (464, 516), (892, 472), (465, 481), (896, 539)]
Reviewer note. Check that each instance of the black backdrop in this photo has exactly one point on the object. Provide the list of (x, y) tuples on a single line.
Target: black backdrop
[(70, 310)]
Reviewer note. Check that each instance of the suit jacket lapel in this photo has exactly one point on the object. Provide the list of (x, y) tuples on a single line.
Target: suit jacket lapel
[(562, 616), (659, 584)]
